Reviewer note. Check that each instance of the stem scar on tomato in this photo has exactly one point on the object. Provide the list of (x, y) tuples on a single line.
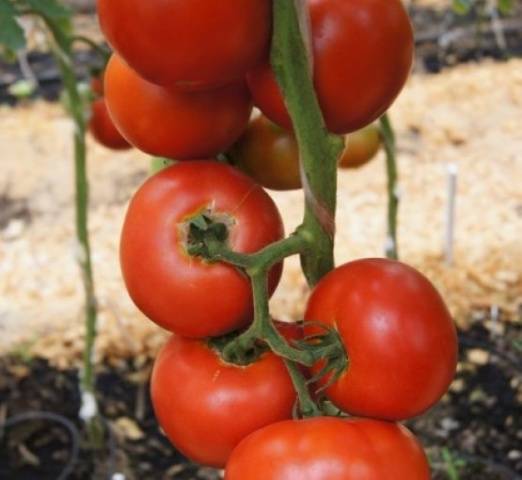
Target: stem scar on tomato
[(200, 232)]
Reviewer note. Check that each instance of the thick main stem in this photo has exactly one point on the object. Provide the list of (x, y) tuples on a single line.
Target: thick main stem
[(388, 136), (318, 149)]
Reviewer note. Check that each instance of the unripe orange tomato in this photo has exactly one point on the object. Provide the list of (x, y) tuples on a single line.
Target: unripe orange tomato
[(269, 154), (361, 146)]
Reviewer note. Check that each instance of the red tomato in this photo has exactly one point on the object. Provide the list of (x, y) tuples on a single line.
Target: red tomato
[(167, 122), (363, 51), (96, 85), (399, 336), (102, 128), (206, 406), (361, 147), (269, 154), (191, 43), (329, 449), (291, 331), (182, 293)]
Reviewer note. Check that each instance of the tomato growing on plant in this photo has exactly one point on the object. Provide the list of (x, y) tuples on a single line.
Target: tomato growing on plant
[(102, 127), (182, 293), (96, 85), (167, 122), (269, 154), (363, 52), (361, 147), (206, 406), (399, 336), (194, 44), (329, 449)]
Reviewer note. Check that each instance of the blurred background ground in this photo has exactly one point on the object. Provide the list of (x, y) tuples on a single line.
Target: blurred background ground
[(469, 114)]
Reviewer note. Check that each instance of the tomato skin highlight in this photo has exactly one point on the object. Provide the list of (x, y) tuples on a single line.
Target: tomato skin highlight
[(363, 52), (206, 406), (268, 154), (399, 336), (182, 293), (327, 448), (102, 127), (170, 123), (361, 147), (190, 43)]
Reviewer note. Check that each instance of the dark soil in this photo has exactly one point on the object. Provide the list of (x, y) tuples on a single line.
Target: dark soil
[(476, 429)]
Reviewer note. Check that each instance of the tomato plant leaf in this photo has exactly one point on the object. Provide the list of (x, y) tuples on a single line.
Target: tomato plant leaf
[(505, 6), (11, 34), (50, 8), (462, 7), (53, 11)]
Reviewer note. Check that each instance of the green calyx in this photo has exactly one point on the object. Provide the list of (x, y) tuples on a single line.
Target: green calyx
[(241, 358), (205, 236)]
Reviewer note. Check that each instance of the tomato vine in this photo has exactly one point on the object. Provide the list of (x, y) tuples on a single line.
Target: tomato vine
[(57, 20)]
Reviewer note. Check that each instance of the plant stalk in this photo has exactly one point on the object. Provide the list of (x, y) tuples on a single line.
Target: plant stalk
[(318, 149), (89, 411), (388, 137)]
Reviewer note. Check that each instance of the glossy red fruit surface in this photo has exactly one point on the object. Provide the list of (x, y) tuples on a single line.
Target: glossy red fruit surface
[(329, 449), (206, 406), (400, 338), (363, 52), (167, 122), (182, 293), (188, 43)]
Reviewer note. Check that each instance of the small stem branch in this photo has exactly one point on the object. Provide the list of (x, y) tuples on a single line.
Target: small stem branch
[(388, 137), (102, 51), (307, 406), (263, 259), (263, 328)]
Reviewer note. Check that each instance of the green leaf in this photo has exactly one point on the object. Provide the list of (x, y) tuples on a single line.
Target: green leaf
[(506, 7), (11, 34), (157, 164), (51, 8), (60, 16), (462, 7), (7, 54)]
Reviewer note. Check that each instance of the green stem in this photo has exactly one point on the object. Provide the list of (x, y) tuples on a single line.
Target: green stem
[(314, 239), (263, 259), (103, 52), (262, 328), (318, 149), (388, 136), (307, 406), (63, 54)]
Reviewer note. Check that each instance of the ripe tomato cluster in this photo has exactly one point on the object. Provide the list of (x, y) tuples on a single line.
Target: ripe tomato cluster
[(181, 85)]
